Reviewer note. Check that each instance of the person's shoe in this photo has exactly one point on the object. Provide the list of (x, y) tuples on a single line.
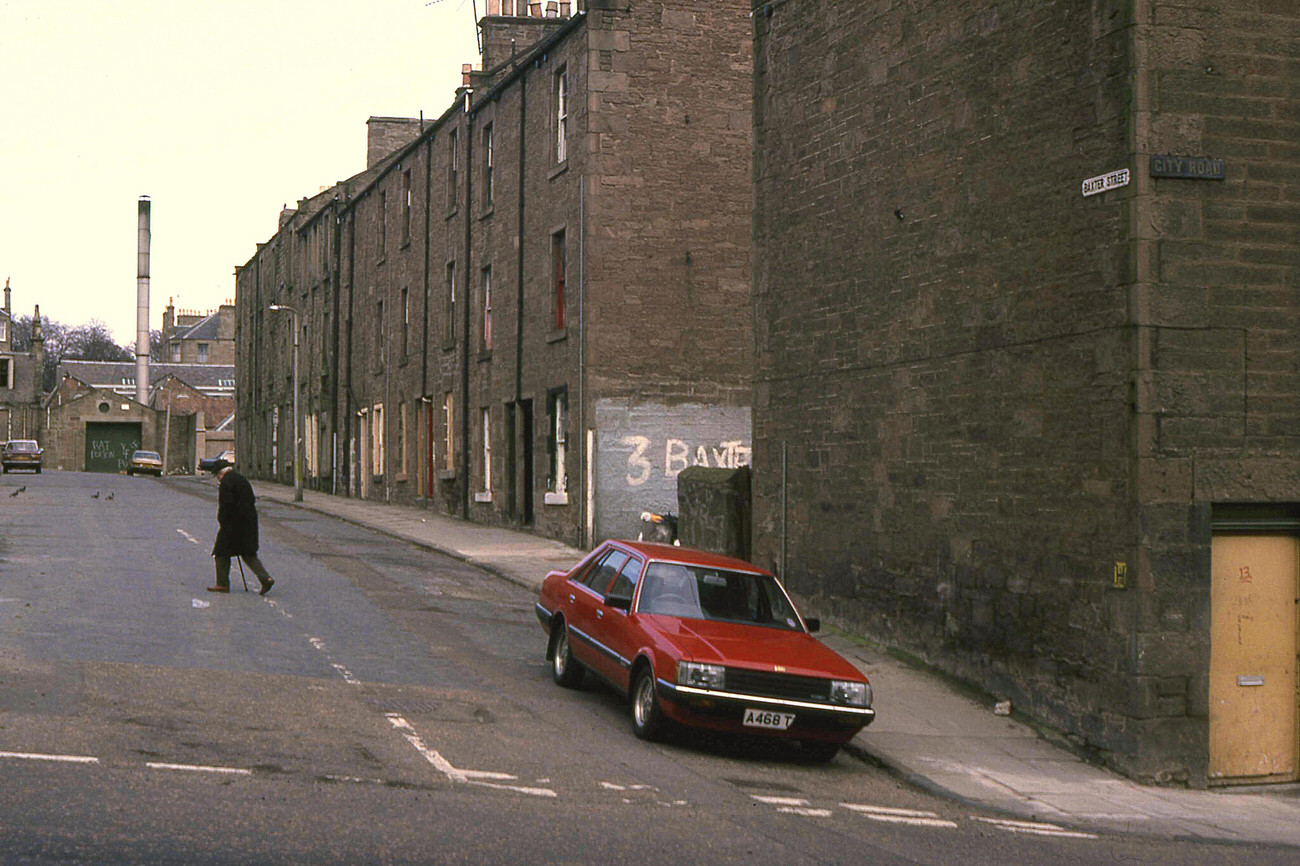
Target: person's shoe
[(266, 587), (218, 588)]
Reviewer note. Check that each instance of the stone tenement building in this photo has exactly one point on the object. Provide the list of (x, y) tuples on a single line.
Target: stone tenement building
[(191, 337), (20, 377), (1026, 319), (533, 309)]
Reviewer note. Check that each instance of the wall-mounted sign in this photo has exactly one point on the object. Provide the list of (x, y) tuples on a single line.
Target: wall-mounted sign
[(1191, 167), (1103, 182)]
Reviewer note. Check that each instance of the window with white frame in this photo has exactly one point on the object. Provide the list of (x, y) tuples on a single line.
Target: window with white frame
[(406, 322), (175, 352), (448, 432), (4, 330), (557, 446), (485, 491), (562, 114), (377, 439), (406, 206), (203, 353), (453, 165), (487, 309), (6, 375), (449, 305)]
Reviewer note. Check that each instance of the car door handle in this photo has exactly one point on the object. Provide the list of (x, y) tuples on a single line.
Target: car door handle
[(572, 598), (600, 614)]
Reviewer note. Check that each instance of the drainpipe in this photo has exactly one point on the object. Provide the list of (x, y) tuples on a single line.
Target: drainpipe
[(465, 315)]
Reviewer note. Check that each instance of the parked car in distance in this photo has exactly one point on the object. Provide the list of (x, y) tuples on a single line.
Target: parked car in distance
[(205, 465), (21, 454), (700, 640), (145, 462)]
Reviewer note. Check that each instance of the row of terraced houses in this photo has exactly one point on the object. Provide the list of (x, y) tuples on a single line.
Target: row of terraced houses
[(998, 300)]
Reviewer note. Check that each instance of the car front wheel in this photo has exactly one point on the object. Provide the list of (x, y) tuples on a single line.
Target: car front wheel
[(565, 669), (647, 718)]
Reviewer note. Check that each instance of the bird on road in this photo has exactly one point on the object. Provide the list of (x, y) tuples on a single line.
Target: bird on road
[(110, 494), (95, 495), (19, 490)]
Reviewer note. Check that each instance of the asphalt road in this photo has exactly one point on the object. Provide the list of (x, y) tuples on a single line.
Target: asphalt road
[(382, 705)]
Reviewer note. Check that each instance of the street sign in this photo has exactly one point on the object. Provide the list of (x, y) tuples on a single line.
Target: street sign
[(1104, 182), (1189, 167)]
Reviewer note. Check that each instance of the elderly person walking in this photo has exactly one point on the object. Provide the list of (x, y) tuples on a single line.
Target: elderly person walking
[(236, 527)]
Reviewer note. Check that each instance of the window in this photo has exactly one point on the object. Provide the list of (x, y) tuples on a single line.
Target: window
[(6, 373), (449, 306), (382, 234), (380, 349), (449, 432), (487, 309), (203, 353), (402, 421), (557, 439), (561, 114), (600, 577), (487, 166), (558, 258), (486, 490), (406, 207), (406, 322), (453, 165), (4, 330), (377, 440), (175, 351), (625, 583)]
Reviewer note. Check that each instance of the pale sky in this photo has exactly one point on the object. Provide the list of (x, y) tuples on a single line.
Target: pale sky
[(221, 112)]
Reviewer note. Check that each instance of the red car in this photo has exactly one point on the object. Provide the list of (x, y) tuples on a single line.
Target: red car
[(700, 640)]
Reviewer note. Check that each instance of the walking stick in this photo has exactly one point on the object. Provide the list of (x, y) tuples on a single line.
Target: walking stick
[(241, 573)]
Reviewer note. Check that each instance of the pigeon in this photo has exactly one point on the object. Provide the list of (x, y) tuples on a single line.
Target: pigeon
[(95, 495), (110, 495), (19, 490)]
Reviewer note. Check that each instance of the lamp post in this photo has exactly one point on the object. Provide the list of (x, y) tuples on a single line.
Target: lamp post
[(297, 441)]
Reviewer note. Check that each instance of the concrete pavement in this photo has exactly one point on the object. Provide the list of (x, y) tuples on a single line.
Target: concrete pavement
[(925, 731)]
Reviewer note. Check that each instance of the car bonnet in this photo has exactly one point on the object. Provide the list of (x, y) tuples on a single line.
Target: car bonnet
[(756, 647)]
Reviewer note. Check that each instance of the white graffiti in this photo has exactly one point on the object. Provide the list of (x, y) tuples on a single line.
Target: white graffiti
[(678, 455)]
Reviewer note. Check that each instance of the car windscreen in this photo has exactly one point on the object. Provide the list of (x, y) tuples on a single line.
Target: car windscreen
[(696, 592), (146, 455), (23, 446)]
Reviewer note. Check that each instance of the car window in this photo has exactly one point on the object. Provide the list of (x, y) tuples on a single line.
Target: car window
[(626, 580), (600, 577), (22, 446), (695, 592)]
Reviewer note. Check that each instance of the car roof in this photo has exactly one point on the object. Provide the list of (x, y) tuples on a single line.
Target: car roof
[(686, 555)]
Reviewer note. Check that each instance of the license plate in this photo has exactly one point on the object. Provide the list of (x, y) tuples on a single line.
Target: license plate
[(768, 719)]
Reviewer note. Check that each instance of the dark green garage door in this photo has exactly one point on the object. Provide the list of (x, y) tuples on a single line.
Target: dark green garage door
[(109, 446)]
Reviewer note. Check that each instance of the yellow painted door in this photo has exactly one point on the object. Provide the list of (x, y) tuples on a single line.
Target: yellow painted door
[(1253, 733)]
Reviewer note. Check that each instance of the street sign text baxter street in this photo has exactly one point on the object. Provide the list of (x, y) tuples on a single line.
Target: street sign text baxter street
[(1104, 182)]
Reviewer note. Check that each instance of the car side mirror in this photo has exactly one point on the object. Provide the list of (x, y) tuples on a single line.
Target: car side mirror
[(814, 623), (620, 602)]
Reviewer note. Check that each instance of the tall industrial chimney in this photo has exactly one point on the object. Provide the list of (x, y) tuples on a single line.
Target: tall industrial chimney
[(142, 306)]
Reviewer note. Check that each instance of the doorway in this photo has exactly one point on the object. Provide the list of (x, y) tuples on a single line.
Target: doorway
[(1253, 647)]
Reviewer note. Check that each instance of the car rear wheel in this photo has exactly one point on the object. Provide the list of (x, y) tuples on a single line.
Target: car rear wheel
[(565, 669), (647, 718)]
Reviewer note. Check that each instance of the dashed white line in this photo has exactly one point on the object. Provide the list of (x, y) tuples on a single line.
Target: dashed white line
[(911, 817), (63, 759), (198, 768), (1034, 828), (190, 538)]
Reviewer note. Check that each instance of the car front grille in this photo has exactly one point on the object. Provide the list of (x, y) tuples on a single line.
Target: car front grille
[(776, 685)]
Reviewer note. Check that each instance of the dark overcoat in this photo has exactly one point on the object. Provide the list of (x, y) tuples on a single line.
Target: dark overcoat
[(236, 517)]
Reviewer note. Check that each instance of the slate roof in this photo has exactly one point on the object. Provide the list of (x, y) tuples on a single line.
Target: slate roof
[(204, 329), (216, 379)]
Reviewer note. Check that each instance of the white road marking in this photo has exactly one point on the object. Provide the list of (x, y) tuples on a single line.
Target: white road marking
[(804, 812), (190, 538), (780, 801), (65, 759), (464, 777), (342, 671), (1034, 828), (911, 817), (198, 768)]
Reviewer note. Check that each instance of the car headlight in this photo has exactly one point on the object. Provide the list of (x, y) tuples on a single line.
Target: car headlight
[(851, 693), (701, 676)]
